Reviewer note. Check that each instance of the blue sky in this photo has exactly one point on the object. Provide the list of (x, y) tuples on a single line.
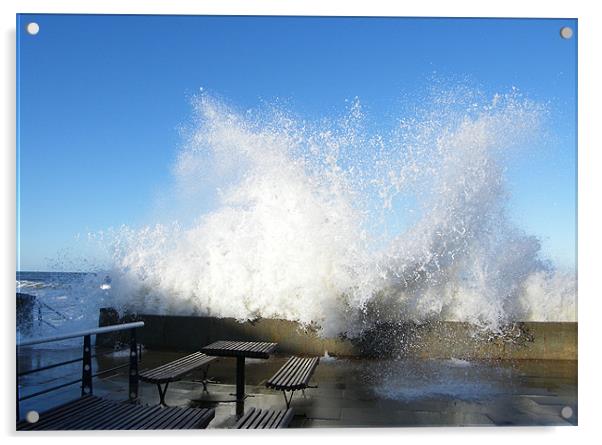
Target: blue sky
[(101, 98)]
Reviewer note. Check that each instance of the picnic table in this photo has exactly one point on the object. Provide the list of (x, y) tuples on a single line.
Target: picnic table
[(240, 350)]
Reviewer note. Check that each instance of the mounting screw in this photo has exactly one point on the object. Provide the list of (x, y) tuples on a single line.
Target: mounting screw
[(32, 28), (566, 32), (567, 412), (32, 416)]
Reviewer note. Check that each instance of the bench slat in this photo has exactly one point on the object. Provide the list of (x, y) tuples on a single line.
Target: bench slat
[(294, 374), (277, 418), (283, 369), (288, 368), (181, 362), (100, 418), (245, 418), (307, 373), (135, 417), (144, 417), (200, 418), (95, 413), (176, 369), (65, 422), (229, 348), (172, 374), (258, 419), (265, 419), (64, 409), (162, 423), (286, 419), (291, 378), (295, 379)]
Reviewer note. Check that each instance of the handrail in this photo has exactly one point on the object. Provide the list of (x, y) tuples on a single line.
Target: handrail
[(50, 308), (87, 375), (75, 360), (103, 330)]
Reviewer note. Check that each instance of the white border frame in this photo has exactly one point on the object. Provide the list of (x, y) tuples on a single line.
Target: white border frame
[(589, 223)]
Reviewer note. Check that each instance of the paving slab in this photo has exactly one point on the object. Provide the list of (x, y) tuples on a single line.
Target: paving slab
[(360, 393)]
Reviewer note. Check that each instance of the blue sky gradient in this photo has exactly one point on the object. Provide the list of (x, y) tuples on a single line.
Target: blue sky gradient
[(101, 98)]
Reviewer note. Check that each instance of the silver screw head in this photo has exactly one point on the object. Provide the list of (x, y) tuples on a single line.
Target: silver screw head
[(32, 28), (566, 32)]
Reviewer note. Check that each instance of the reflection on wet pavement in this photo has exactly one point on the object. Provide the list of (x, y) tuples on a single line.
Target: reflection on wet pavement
[(350, 393)]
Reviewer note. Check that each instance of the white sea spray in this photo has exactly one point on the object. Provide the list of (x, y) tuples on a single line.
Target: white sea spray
[(329, 224)]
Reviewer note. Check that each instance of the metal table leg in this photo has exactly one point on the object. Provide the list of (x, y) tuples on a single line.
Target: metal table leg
[(240, 385)]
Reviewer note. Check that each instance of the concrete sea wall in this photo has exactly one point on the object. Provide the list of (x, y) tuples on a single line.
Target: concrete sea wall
[(524, 340)]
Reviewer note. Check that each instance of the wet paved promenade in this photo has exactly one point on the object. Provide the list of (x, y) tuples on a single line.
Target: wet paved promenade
[(352, 392)]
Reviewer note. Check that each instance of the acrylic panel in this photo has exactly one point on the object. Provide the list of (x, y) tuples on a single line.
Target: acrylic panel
[(295, 222)]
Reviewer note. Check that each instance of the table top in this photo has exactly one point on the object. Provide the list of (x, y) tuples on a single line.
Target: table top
[(227, 348)]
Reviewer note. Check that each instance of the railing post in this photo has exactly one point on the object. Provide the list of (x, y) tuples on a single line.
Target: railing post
[(86, 376), (87, 367), (133, 387)]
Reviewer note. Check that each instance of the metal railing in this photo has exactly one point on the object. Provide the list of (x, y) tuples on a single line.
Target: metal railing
[(86, 359), (41, 320)]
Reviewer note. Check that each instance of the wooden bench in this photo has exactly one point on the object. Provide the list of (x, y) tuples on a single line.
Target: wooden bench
[(265, 419), (95, 413), (294, 375), (174, 371)]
